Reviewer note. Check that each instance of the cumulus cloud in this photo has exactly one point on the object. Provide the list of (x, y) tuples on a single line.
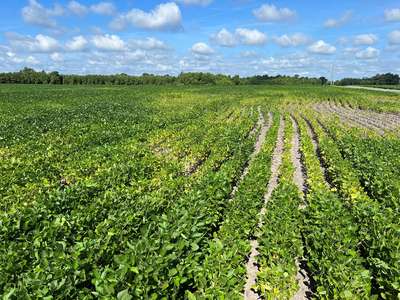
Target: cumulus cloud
[(40, 43), (31, 60), (224, 38), (45, 43), (271, 13), (103, 8), (195, 2), (108, 42), (244, 36), (165, 16), (365, 39), (368, 53), (321, 47), (392, 15), (56, 57), (78, 43), (77, 8), (202, 49), (394, 37), (36, 14), (148, 44), (293, 40), (13, 58), (251, 36), (335, 23)]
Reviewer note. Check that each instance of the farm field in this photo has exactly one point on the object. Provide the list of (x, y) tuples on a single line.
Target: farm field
[(212, 192)]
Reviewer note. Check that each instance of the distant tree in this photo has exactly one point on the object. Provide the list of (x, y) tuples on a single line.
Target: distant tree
[(236, 80), (323, 80), (55, 78), (29, 76)]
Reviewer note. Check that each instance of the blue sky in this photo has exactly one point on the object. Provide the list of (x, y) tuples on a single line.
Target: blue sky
[(245, 37)]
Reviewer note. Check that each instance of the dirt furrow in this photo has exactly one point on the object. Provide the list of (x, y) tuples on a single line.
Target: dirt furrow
[(323, 109), (251, 267), (257, 148), (259, 123), (379, 122), (354, 117), (367, 117), (327, 108), (299, 178), (299, 174), (314, 139), (383, 118)]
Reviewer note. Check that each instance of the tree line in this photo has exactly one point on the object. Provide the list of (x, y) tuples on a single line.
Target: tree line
[(378, 79), (30, 76)]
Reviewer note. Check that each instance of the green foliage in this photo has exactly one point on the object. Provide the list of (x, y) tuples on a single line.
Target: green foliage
[(30, 76), (280, 243), (377, 217), (222, 272), (331, 237), (378, 79), (123, 193)]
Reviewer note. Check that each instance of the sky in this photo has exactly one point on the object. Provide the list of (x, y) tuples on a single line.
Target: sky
[(334, 39)]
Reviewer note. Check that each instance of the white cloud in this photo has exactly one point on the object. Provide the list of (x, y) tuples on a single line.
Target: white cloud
[(202, 49), (56, 57), (108, 42), (148, 44), (40, 43), (166, 16), (394, 37), (392, 15), (46, 43), (321, 47), (78, 43), (35, 14), (77, 8), (271, 13), (195, 2), (293, 40), (251, 36), (31, 60), (247, 54), (365, 39), (103, 8), (224, 38), (335, 23), (368, 53), (136, 55)]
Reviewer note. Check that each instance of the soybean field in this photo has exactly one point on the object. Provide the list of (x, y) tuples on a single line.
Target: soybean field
[(212, 192)]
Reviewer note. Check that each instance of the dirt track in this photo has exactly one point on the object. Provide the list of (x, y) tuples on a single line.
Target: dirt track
[(370, 89)]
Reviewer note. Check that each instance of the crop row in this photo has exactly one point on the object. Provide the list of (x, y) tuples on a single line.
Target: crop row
[(280, 242), (330, 233), (221, 272), (377, 222)]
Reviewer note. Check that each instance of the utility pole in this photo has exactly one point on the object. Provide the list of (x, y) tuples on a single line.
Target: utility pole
[(332, 73)]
